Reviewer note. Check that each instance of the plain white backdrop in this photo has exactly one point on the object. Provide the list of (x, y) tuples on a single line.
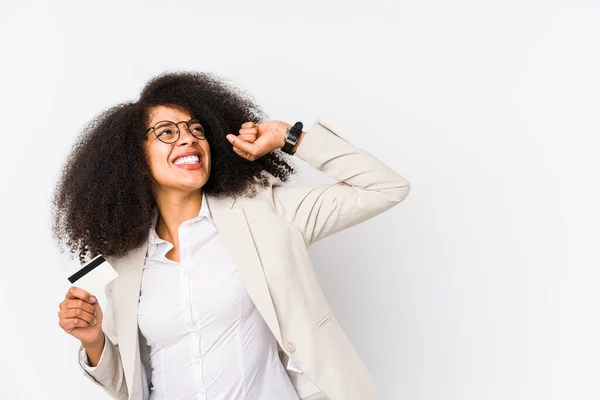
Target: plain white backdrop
[(482, 284)]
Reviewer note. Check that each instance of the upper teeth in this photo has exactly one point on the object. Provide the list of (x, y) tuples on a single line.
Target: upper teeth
[(187, 160)]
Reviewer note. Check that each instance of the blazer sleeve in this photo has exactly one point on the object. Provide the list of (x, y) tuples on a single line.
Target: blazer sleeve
[(365, 186), (108, 373)]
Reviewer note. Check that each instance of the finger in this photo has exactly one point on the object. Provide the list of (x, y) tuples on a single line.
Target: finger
[(248, 130), (248, 137), (74, 323), (63, 324), (79, 304), (69, 324), (240, 143), (79, 314), (256, 148), (78, 293), (248, 124)]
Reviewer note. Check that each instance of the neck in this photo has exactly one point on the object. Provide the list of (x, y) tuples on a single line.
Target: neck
[(174, 208)]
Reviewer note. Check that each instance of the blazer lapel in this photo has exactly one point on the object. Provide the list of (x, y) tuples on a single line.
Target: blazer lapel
[(237, 238), (125, 301)]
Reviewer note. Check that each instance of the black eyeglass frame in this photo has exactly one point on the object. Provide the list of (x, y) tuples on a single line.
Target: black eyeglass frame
[(187, 123)]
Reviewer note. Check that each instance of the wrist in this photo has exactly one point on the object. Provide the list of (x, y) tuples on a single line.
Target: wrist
[(97, 343), (94, 351), (282, 134)]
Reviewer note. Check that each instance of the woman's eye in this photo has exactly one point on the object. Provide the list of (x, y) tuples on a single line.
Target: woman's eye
[(165, 132)]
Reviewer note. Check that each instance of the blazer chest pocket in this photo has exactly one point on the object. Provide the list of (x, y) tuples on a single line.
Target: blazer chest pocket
[(324, 321)]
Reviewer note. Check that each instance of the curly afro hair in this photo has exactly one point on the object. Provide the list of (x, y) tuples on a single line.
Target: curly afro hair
[(103, 201)]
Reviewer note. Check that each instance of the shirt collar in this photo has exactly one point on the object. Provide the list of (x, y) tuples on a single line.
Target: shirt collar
[(154, 240)]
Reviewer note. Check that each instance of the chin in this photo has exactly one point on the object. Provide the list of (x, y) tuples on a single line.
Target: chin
[(198, 186)]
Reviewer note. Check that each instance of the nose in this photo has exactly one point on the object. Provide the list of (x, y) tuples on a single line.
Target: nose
[(185, 136)]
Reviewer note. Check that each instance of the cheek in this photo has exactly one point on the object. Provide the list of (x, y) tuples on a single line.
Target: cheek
[(207, 154), (157, 161)]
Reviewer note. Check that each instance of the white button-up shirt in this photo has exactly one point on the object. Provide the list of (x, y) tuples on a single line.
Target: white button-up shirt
[(205, 338)]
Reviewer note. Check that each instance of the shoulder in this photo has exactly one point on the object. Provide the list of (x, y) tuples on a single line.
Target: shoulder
[(263, 195)]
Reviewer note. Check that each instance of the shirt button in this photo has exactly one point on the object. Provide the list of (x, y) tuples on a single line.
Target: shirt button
[(290, 346)]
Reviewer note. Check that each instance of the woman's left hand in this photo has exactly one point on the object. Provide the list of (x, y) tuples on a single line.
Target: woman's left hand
[(256, 140)]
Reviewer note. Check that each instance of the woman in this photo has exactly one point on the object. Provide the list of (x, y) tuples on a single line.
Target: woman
[(216, 296)]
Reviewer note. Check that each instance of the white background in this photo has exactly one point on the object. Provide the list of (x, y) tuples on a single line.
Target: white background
[(482, 284)]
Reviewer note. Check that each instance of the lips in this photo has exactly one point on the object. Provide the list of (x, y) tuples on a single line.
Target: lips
[(197, 165)]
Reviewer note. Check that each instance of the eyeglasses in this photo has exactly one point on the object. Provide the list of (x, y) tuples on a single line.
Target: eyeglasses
[(167, 131)]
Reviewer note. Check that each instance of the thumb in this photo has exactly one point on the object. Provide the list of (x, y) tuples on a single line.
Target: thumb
[(245, 146)]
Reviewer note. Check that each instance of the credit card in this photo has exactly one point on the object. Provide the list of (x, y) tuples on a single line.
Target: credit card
[(93, 276)]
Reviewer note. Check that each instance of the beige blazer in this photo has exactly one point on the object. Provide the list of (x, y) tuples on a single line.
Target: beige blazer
[(268, 239)]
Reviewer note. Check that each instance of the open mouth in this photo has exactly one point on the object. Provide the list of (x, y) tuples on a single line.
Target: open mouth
[(187, 160)]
